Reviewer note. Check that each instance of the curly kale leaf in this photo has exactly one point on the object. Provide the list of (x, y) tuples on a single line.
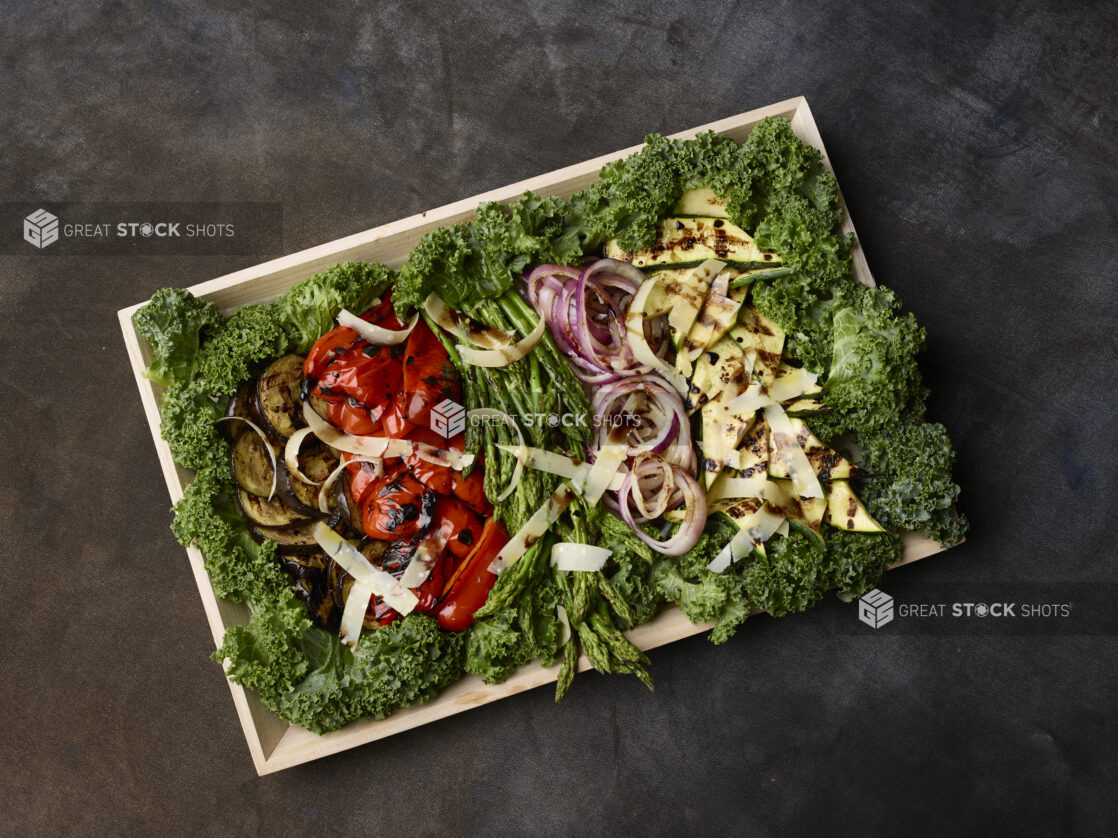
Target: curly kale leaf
[(701, 594), (307, 311), (854, 561), (874, 377), (633, 560), (519, 633), (910, 485), (252, 334), (478, 260), (789, 577), (308, 677), (188, 414), (207, 517), (175, 323)]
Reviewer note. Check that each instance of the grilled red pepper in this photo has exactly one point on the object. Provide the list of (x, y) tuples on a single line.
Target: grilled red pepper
[(396, 506), (465, 525), (469, 587), (429, 376)]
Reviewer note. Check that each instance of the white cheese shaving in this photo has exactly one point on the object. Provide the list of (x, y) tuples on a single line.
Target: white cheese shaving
[(534, 528), (755, 530), (791, 385), (377, 335), (730, 488), (558, 464), (505, 355), (378, 581), (791, 454), (381, 446), (568, 555)]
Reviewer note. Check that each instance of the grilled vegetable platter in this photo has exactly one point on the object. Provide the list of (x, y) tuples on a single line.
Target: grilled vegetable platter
[(555, 420)]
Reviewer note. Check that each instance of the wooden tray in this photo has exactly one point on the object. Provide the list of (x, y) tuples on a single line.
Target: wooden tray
[(273, 743)]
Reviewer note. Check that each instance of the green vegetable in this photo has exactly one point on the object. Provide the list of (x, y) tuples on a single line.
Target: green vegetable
[(516, 635), (701, 594), (207, 517), (308, 310), (874, 377), (188, 414), (308, 677), (789, 577), (855, 561), (251, 335), (477, 260), (910, 487), (175, 322)]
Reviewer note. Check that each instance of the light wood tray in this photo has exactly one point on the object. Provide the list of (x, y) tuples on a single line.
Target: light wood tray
[(274, 744)]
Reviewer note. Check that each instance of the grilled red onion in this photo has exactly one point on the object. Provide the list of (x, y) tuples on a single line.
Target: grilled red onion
[(585, 310)]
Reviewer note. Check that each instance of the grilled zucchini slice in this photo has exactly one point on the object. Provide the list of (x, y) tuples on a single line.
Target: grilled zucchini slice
[(846, 512), (684, 241)]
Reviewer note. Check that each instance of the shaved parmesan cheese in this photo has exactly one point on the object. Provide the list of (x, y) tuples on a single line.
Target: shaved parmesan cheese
[(291, 454), (793, 384), (378, 581), (324, 490), (749, 401), (374, 334), (729, 488), (463, 328), (564, 626), (381, 446), (353, 617), (755, 530), (560, 465), (634, 330), (603, 473), (505, 355), (425, 555), (534, 528), (791, 454), (568, 555)]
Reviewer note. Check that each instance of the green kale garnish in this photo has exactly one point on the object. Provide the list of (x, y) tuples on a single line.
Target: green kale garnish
[(175, 323)]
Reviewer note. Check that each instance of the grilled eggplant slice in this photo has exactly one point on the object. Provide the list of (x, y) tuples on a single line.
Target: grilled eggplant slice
[(252, 467), (268, 513), (242, 406), (315, 594), (348, 505), (292, 540), (316, 463), (277, 395), (310, 566)]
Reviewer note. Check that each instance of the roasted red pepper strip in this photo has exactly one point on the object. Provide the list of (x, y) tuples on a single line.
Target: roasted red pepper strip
[(429, 376), (325, 348), (396, 423), (396, 506), (469, 587), (465, 525), (352, 417)]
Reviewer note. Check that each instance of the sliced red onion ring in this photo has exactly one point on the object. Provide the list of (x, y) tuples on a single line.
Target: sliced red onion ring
[(695, 518)]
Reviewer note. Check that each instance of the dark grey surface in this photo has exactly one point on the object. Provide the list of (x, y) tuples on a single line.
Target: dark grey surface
[(975, 144)]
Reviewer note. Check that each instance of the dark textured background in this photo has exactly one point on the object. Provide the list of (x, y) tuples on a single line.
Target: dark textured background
[(975, 143)]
